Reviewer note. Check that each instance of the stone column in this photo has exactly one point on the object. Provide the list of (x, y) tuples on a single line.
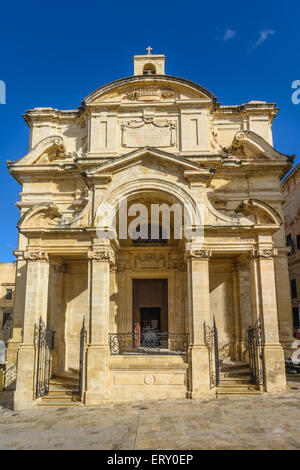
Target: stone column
[(199, 305), (284, 302), (265, 305), (36, 304), (237, 313), (97, 357)]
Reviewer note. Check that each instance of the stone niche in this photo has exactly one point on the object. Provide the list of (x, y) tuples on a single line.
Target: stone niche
[(136, 134)]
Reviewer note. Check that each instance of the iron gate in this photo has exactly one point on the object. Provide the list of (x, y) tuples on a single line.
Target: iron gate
[(255, 348), (212, 343), (44, 342), (83, 335)]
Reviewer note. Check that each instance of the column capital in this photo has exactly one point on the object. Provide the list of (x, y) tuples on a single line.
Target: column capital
[(101, 254), (36, 255), (62, 268), (264, 253), (199, 254)]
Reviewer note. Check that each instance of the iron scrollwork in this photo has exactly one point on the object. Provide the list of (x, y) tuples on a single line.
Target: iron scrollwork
[(255, 349), (44, 343), (148, 341), (212, 344)]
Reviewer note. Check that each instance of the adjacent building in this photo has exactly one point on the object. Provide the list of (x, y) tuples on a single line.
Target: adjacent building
[(291, 207), (7, 292), (135, 316)]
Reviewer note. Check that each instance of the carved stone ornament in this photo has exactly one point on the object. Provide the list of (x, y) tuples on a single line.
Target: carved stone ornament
[(199, 254), (36, 256), (150, 94), (265, 253), (101, 255), (150, 260), (148, 132)]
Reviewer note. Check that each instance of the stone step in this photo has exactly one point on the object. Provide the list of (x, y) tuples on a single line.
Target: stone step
[(234, 367), (240, 393), (237, 373), (58, 404), (67, 375), (236, 389), (62, 393), (234, 380)]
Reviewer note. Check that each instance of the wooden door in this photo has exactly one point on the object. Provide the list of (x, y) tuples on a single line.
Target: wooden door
[(150, 301)]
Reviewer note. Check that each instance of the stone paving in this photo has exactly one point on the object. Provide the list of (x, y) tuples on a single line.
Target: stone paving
[(259, 422)]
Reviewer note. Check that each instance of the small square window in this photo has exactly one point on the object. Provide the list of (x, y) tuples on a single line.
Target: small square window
[(290, 243), (296, 319), (8, 295)]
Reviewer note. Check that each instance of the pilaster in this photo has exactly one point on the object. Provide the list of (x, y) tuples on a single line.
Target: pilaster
[(199, 305), (265, 305), (36, 303), (99, 261)]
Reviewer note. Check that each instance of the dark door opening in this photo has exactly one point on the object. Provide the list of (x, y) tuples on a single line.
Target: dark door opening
[(150, 318), (150, 304)]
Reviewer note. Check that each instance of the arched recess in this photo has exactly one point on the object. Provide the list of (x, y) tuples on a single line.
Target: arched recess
[(41, 216), (259, 212), (155, 188)]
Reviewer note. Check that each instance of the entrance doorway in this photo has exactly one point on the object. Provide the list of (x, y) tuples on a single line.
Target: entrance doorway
[(150, 304)]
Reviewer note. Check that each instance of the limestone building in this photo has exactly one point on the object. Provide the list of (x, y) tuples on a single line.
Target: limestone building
[(149, 303), (291, 207), (7, 291)]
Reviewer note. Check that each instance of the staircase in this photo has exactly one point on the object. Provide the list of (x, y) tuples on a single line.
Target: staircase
[(63, 390), (235, 380)]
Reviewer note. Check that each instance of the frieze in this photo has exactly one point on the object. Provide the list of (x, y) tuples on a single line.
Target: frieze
[(150, 260)]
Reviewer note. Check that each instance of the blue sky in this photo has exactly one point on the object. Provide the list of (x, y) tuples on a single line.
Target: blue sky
[(54, 54)]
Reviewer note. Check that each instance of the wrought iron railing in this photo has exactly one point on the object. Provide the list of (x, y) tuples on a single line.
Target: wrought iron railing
[(148, 341), (44, 343)]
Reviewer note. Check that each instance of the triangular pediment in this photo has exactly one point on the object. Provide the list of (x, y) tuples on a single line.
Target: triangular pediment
[(189, 169)]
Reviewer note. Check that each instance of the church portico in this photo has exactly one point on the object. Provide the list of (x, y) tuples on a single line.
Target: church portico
[(148, 250)]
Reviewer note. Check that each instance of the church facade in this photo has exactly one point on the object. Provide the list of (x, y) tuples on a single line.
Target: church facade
[(135, 312)]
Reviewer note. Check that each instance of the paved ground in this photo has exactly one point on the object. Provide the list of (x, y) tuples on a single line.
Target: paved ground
[(228, 423)]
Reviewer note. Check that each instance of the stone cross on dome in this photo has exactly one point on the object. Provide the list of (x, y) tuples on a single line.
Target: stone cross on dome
[(149, 49)]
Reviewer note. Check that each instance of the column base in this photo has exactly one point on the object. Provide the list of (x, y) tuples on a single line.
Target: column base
[(200, 373), (24, 395), (274, 365), (96, 375)]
